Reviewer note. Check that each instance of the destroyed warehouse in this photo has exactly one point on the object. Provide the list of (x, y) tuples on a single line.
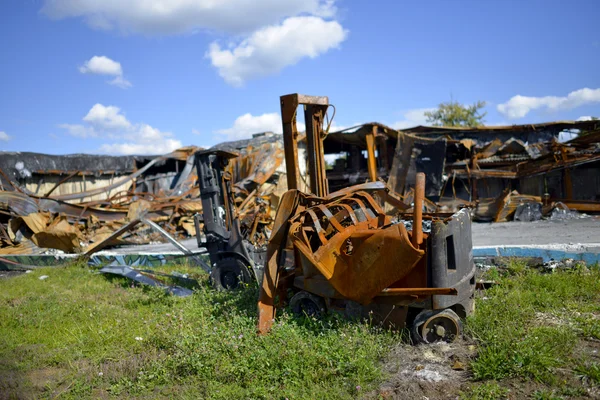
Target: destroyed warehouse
[(75, 203)]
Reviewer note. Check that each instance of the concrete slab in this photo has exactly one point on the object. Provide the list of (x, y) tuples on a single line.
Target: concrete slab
[(573, 231)]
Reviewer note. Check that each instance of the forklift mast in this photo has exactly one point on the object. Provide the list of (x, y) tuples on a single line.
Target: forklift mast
[(230, 255)]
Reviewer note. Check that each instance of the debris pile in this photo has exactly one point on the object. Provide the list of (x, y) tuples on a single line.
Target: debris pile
[(81, 208), (492, 169), (76, 203)]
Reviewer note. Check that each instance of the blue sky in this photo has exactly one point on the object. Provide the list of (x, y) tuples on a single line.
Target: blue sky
[(146, 76)]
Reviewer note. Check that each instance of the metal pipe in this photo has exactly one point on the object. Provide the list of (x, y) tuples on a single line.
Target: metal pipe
[(179, 246), (371, 162), (417, 229)]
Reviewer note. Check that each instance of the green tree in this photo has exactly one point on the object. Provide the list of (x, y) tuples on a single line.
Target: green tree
[(452, 113)]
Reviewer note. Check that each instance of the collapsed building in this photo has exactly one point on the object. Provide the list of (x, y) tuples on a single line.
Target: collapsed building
[(76, 203), (492, 169), (83, 203)]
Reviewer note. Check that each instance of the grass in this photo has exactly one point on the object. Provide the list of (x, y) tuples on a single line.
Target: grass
[(537, 327), (79, 334)]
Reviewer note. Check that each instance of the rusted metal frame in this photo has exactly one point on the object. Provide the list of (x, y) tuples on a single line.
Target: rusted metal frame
[(337, 226), (541, 167), (120, 194), (318, 228), (417, 228), (315, 108), (360, 204), (248, 199), (255, 223), (290, 204), (177, 199), (10, 182), (71, 175), (332, 218), (314, 115), (371, 162), (374, 206), (289, 105), (97, 191), (480, 174), (350, 212)]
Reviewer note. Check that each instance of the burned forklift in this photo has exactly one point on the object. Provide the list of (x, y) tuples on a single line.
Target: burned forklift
[(341, 251), (233, 259)]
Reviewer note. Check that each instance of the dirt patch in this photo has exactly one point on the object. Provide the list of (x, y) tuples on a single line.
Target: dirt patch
[(16, 384), (10, 274), (436, 371), (47, 378)]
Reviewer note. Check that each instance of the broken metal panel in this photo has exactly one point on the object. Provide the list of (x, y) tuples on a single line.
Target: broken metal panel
[(529, 133), (414, 155), (347, 246), (170, 204), (451, 259), (199, 261), (146, 278)]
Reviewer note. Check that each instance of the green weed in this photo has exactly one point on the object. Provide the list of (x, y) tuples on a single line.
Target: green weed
[(108, 336)]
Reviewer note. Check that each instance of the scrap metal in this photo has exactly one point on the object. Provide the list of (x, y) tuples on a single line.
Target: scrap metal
[(343, 251), (96, 218), (149, 278)]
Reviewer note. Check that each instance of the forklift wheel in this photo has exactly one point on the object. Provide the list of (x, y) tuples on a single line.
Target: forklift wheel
[(228, 273), (304, 303), (431, 326)]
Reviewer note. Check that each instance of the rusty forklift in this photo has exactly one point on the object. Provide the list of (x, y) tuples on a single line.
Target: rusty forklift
[(341, 252)]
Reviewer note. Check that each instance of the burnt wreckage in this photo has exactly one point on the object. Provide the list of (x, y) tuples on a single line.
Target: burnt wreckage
[(341, 251), (381, 230)]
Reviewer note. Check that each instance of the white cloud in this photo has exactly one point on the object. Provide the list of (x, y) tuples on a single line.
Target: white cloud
[(166, 146), (584, 118), (4, 136), (245, 125), (519, 106), (102, 65), (121, 82), (184, 16), (270, 49), (196, 131), (128, 138), (106, 118), (412, 118), (79, 130)]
